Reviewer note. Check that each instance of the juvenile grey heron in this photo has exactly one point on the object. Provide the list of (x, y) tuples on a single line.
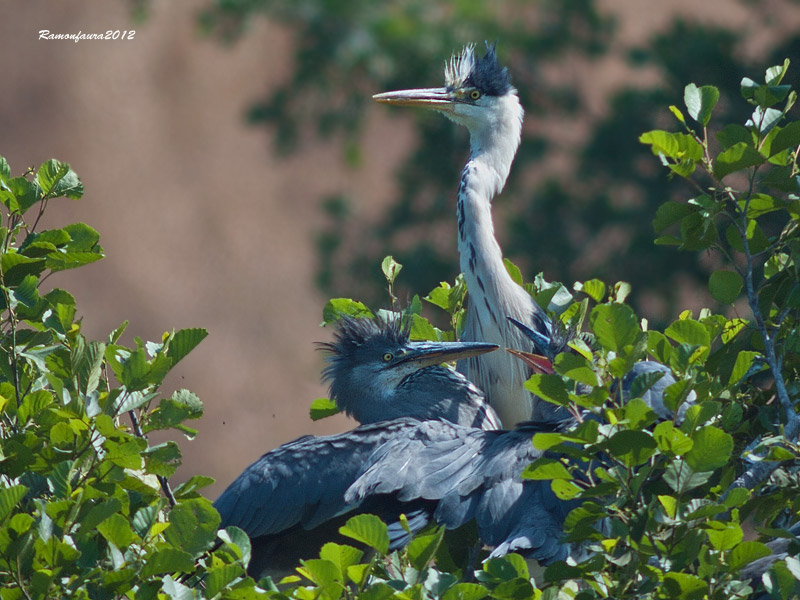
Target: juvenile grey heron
[(291, 500), (478, 94), (474, 475), (656, 377)]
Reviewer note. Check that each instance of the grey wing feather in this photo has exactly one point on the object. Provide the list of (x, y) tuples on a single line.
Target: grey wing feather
[(302, 482), (473, 474)]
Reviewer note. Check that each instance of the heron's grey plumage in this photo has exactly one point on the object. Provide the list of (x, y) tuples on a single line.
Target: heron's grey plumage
[(390, 384), (473, 475), (479, 95)]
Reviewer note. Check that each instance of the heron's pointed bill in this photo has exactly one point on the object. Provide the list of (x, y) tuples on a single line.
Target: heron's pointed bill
[(539, 340), (537, 362), (437, 98), (435, 353)]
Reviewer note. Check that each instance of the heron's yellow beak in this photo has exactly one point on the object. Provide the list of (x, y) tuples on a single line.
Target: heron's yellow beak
[(436, 98)]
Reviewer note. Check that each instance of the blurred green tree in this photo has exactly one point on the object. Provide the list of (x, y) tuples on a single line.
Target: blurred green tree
[(582, 193)]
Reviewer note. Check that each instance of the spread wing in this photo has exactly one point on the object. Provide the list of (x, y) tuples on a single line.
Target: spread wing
[(472, 474), (303, 482)]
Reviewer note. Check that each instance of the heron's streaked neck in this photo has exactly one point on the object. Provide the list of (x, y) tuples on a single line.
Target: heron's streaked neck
[(493, 144)]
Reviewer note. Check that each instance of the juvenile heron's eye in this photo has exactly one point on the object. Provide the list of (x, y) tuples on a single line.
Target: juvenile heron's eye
[(474, 94), (388, 356)]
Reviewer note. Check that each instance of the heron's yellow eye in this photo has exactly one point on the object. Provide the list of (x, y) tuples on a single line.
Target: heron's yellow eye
[(474, 94), (388, 356)]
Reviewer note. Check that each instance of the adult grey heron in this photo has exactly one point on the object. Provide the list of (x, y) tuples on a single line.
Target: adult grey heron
[(478, 94), (291, 500)]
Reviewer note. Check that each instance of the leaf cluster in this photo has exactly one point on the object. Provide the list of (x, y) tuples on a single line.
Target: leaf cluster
[(86, 509)]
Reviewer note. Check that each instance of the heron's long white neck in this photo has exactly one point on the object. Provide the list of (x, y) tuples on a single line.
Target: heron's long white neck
[(493, 146)]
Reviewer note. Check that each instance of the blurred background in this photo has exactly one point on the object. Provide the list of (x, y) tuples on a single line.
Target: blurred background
[(240, 175)]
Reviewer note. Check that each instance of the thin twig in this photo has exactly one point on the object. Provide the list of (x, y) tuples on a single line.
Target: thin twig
[(163, 481)]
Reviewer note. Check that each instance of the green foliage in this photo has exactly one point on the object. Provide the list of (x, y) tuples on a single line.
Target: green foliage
[(86, 509)]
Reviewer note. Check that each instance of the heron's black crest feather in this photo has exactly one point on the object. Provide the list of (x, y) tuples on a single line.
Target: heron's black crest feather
[(485, 74), (356, 336)]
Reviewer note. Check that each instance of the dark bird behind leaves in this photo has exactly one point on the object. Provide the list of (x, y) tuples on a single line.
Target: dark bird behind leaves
[(291, 500)]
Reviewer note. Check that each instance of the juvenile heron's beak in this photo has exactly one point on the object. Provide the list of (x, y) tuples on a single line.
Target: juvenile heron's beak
[(437, 98), (434, 353), (537, 362), (539, 340)]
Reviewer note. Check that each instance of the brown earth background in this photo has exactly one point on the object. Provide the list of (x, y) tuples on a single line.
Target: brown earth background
[(202, 225)]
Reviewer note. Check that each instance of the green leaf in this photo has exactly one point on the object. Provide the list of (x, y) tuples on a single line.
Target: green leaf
[(238, 541), (670, 213), (162, 459), (683, 586), (711, 449), (440, 296), (342, 556), (193, 525), (117, 530), (677, 112), (16, 267), (594, 288), (190, 486), (746, 552), (724, 536), (638, 413), (337, 308), (58, 179), (700, 102), (422, 548), (391, 268), (725, 286), (167, 560), (466, 591), (787, 137), (689, 331), (513, 271), (546, 468), (323, 407), (20, 194), (184, 341), (632, 448), (172, 412), (421, 329), (774, 75), (576, 368), (507, 568), (9, 498), (548, 387), (369, 530), (677, 146), (565, 490), (27, 292), (733, 134), (737, 157), (320, 571), (218, 578), (615, 326), (744, 360), (671, 440), (546, 440)]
